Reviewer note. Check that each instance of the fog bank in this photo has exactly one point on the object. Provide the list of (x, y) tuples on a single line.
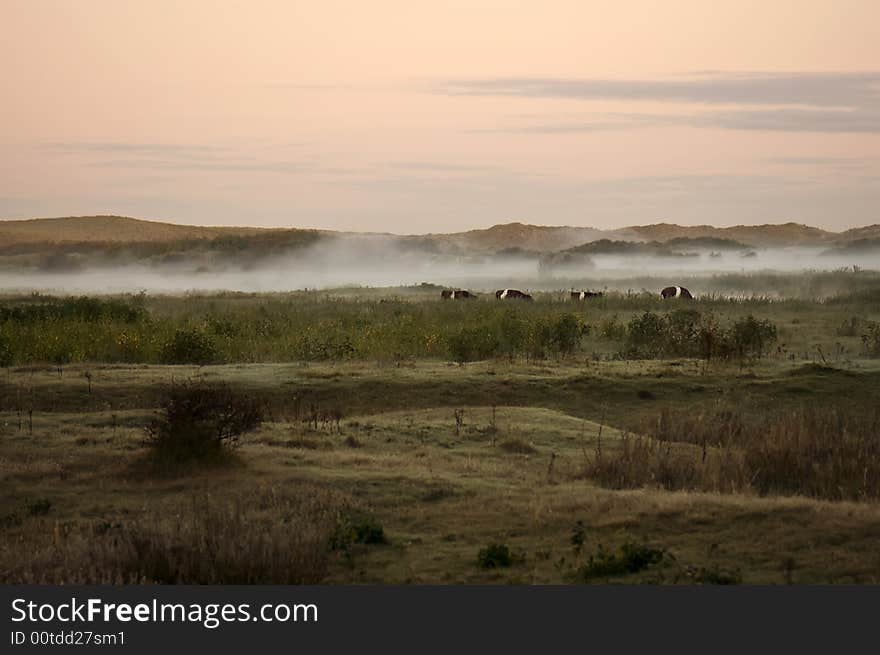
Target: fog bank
[(380, 262)]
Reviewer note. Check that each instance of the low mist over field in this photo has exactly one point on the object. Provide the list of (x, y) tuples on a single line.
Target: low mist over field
[(114, 254)]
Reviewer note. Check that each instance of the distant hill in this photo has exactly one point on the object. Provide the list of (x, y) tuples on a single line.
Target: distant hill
[(855, 247), (82, 241), (786, 234), (105, 229), (856, 233), (534, 238), (677, 247)]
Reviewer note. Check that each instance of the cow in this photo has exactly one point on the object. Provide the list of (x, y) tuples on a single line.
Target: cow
[(456, 294), (676, 292), (512, 294), (583, 295)]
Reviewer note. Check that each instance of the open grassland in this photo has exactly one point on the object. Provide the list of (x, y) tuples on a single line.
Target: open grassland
[(447, 460), (589, 442)]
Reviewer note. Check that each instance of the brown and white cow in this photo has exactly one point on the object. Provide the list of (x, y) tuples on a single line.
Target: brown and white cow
[(583, 295), (512, 294), (676, 292), (456, 294)]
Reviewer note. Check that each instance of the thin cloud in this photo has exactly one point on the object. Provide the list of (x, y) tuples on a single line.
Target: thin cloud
[(241, 166), (803, 102), (775, 120), (178, 157), (809, 89), (132, 148), (438, 167), (794, 120)]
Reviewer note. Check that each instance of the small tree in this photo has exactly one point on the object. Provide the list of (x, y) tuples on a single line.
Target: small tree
[(568, 330)]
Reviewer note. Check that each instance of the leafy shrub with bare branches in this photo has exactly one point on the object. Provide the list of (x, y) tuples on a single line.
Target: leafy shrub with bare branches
[(199, 421)]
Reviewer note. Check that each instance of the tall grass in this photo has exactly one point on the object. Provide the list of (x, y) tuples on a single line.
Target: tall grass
[(267, 536), (365, 325), (813, 451)]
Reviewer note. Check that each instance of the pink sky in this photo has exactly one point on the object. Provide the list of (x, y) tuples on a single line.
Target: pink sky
[(411, 116)]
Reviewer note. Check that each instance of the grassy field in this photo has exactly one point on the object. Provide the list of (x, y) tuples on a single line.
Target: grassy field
[(391, 462)]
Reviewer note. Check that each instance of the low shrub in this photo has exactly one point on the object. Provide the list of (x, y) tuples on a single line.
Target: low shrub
[(495, 556), (6, 356), (688, 333), (715, 575), (357, 529), (517, 446), (630, 558), (199, 422), (39, 507), (189, 346), (751, 337), (473, 344)]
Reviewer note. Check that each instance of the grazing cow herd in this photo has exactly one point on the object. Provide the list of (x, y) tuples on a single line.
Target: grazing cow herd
[(576, 296)]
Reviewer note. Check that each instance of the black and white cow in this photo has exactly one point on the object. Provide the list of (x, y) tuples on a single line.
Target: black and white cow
[(512, 294), (676, 292), (456, 294), (583, 295)]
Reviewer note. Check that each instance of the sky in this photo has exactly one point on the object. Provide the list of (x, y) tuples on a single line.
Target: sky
[(410, 117)]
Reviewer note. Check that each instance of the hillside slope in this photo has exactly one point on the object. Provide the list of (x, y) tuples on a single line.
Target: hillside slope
[(103, 229), (521, 237), (786, 234), (533, 238)]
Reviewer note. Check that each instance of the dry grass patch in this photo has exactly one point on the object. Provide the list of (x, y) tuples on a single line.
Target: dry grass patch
[(263, 536)]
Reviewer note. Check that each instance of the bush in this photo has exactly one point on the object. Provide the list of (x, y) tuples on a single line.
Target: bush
[(473, 344), (751, 337), (6, 357), (495, 556), (357, 529), (631, 558), (188, 346), (39, 507), (683, 333), (645, 335), (324, 341), (567, 331), (715, 575), (688, 333), (517, 446), (199, 421)]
